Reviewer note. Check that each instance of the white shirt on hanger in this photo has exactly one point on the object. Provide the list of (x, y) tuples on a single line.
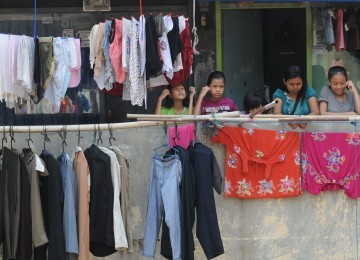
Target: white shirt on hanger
[(165, 49)]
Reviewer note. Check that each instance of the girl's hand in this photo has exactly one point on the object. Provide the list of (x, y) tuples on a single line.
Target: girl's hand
[(204, 90), (192, 92), (164, 93), (351, 87)]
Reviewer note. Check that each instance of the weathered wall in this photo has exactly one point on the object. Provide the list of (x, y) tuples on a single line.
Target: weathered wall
[(304, 227)]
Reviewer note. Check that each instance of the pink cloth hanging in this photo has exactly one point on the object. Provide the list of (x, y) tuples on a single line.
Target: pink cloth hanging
[(184, 137)]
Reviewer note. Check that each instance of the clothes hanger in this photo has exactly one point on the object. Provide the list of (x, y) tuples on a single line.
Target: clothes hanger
[(196, 140), (12, 139), (29, 139), (46, 138), (3, 139), (79, 136), (99, 139), (165, 144), (177, 134), (111, 135), (63, 137), (94, 139)]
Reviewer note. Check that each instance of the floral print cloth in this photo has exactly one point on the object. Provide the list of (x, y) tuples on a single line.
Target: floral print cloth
[(260, 163), (329, 162)]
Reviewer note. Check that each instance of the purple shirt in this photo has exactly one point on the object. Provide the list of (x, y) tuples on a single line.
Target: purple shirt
[(219, 106)]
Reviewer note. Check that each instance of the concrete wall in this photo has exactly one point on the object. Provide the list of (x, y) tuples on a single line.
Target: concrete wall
[(303, 227)]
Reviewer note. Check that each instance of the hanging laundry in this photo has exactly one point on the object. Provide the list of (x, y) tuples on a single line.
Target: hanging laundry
[(328, 15), (75, 72), (164, 197), (352, 31), (339, 32), (51, 202), (81, 169), (109, 70), (69, 189), (187, 202), (35, 167), (329, 162), (153, 63), (102, 241), (10, 194), (186, 56), (25, 232), (165, 49), (116, 50), (260, 163), (181, 135), (207, 178), (125, 202)]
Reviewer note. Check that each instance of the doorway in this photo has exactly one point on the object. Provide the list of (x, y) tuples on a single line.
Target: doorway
[(258, 44)]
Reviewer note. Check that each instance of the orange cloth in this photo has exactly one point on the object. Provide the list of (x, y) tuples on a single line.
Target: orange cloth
[(260, 163), (82, 173)]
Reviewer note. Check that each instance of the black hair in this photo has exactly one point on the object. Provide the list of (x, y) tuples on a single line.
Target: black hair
[(215, 75), (169, 102), (335, 70), (291, 72), (253, 99)]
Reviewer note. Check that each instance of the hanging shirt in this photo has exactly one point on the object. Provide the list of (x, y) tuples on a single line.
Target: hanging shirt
[(153, 64), (109, 71), (39, 236), (181, 135), (339, 37), (69, 185), (352, 23), (260, 163), (102, 221), (119, 230), (125, 201), (116, 52), (329, 162), (75, 72), (65, 59), (51, 201), (82, 173), (92, 42), (126, 24), (328, 15), (186, 56), (137, 83), (165, 49)]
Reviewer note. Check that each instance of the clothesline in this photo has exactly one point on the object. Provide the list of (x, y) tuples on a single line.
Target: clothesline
[(240, 118)]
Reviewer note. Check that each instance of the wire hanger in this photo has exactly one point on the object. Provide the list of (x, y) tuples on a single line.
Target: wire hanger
[(63, 137), (94, 139), (165, 144), (99, 141), (177, 135), (79, 136), (12, 139), (29, 140), (111, 135), (4, 138), (46, 138)]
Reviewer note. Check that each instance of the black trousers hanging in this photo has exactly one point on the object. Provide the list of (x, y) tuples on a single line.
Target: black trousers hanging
[(11, 202), (207, 177)]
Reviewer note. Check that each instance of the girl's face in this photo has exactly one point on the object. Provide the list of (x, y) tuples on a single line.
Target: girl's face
[(293, 85), (338, 83), (178, 93), (217, 88)]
